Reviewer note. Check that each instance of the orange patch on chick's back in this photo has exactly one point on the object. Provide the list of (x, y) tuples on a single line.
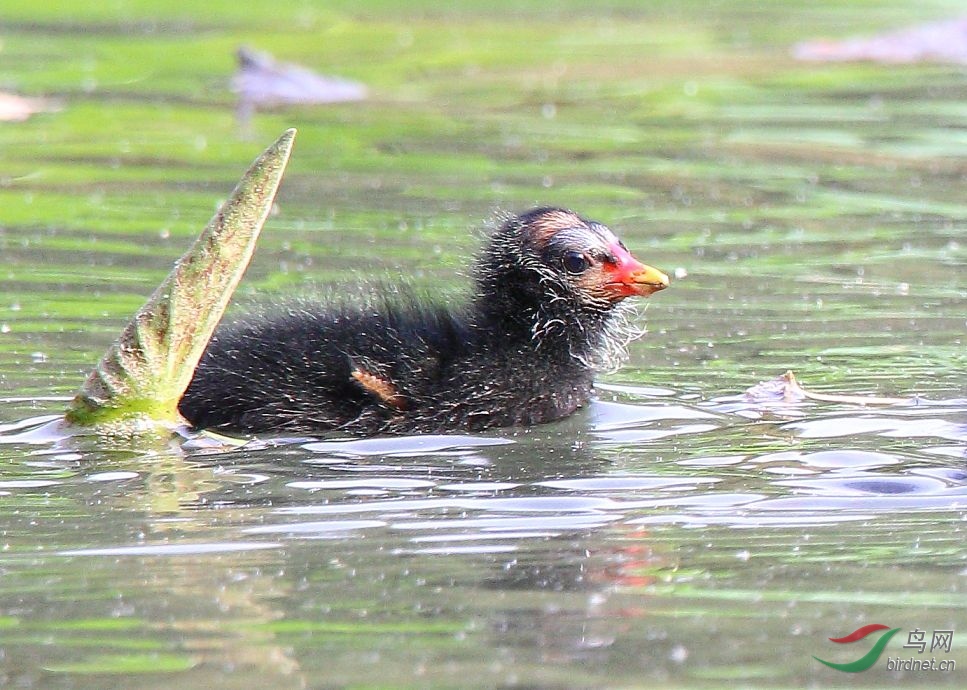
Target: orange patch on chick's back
[(379, 387)]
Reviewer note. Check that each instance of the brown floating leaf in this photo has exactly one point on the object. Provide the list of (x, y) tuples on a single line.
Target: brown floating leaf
[(144, 374)]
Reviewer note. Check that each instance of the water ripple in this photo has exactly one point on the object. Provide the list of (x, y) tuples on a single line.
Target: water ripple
[(836, 427), (627, 483), (404, 446), (828, 459), (315, 527), (368, 482), (173, 549)]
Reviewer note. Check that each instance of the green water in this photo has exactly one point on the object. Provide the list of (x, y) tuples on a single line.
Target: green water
[(676, 534)]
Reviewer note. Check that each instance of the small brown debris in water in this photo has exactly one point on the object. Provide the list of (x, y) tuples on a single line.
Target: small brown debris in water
[(786, 388), (14, 108)]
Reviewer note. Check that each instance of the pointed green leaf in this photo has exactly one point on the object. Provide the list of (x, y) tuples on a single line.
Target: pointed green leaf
[(144, 374)]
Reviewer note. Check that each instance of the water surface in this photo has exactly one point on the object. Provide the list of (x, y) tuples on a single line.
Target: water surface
[(675, 533)]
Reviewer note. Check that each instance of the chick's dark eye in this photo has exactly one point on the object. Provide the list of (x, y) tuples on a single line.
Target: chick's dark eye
[(575, 262)]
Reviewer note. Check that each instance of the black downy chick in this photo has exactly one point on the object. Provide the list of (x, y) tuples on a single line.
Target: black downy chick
[(545, 313)]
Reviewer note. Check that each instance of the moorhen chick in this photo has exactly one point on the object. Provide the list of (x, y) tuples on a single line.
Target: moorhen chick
[(544, 315)]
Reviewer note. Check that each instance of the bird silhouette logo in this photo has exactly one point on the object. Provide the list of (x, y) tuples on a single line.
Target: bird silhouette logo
[(868, 659)]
